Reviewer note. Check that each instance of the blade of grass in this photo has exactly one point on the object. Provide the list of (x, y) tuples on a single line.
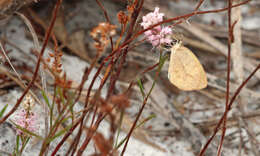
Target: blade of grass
[(27, 131), (3, 110), (52, 107), (60, 93), (120, 124), (46, 99), (24, 145), (17, 144), (71, 104), (139, 82), (59, 134)]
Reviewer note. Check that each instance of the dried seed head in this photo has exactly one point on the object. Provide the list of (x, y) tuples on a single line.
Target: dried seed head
[(48, 60), (122, 18), (55, 59), (63, 82), (121, 101), (28, 103), (130, 8), (101, 35)]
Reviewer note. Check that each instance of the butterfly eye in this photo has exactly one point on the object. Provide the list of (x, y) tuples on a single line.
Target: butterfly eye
[(174, 41)]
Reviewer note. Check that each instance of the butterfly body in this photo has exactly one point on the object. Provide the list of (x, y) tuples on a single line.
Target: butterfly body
[(185, 70)]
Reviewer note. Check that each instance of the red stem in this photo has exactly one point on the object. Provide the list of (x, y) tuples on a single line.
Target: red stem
[(38, 63), (227, 110), (230, 38), (170, 20)]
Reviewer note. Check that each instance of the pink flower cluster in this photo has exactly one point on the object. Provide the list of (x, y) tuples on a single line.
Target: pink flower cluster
[(27, 120), (158, 35)]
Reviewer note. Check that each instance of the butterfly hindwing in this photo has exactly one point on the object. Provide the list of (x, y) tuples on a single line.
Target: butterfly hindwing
[(185, 70)]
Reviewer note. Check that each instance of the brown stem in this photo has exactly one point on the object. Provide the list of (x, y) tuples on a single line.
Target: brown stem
[(38, 62), (170, 20), (230, 38), (227, 110)]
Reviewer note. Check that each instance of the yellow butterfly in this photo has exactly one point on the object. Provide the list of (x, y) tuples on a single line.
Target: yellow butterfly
[(185, 70)]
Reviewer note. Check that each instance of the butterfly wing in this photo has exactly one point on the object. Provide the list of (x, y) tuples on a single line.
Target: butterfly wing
[(185, 70)]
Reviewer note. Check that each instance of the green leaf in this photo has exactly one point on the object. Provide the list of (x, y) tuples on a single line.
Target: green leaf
[(26, 131), (46, 99), (71, 104), (146, 119), (3, 110), (65, 119), (162, 61), (59, 134), (60, 93), (141, 87), (119, 128), (17, 144)]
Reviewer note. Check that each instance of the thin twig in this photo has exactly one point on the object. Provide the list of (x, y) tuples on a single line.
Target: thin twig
[(230, 39), (229, 107)]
